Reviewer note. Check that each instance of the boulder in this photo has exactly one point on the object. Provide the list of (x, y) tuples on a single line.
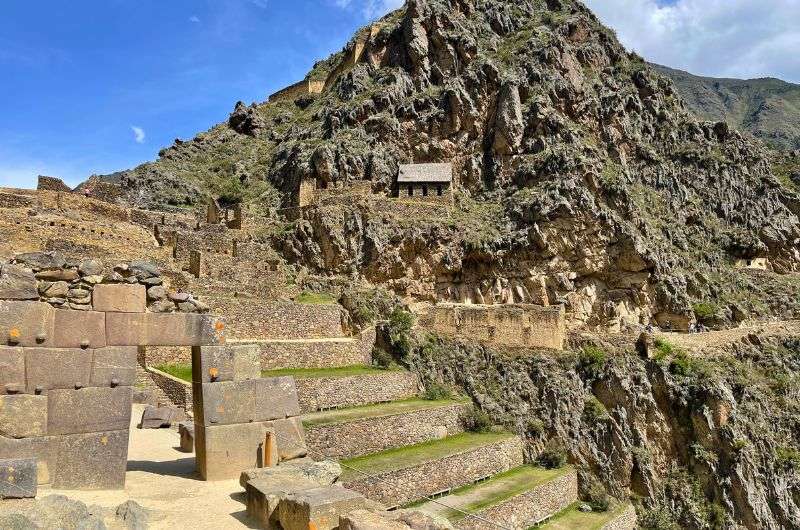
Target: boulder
[(91, 267), (156, 292), (17, 283), (41, 260), (160, 417), (322, 473), (132, 516)]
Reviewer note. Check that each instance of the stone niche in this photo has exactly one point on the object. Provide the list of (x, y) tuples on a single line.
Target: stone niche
[(66, 380), (519, 325)]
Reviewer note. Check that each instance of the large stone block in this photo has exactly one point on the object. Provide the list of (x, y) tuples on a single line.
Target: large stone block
[(17, 283), (319, 508), (18, 478), (223, 451), (369, 520), (186, 432), (44, 449), (12, 370), (276, 398), (265, 494), (92, 409), (95, 461), (161, 417), (120, 298), (26, 323), (114, 366), (23, 416), (49, 368), (226, 363), (224, 403), (290, 437), (79, 329), (163, 329)]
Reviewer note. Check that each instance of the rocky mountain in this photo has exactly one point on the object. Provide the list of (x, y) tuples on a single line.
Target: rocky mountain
[(767, 108)]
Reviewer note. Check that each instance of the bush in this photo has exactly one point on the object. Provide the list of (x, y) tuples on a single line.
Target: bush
[(594, 409), (400, 324), (681, 364), (591, 360), (381, 358), (553, 457), (435, 391), (787, 458), (535, 427), (665, 348), (597, 497), (477, 420), (705, 310)]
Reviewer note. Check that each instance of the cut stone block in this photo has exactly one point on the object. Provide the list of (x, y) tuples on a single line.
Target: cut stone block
[(223, 451), (320, 507), (224, 403), (186, 432), (95, 461), (92, 409), (119, 298), (26, 323), (12, 370), (114, 366), (290, 435), (265, 494), (79, 329), (226, 363), (163, 329), (367, 520), (160, 417), (276, 398), (17, 283), (18, 478), (44, 449), (49, 368), (23, 416), (321, 472)]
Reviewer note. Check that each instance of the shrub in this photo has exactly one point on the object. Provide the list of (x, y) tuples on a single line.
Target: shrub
[(681, 364), (787, 458), (435, 391), (665, 348), (591, 360), (597, 497), (381, 358), (594, 409), (534, 427), (311, 297), (400, 324), (740, 445), (705, 310), (553, 456), (477, 420)]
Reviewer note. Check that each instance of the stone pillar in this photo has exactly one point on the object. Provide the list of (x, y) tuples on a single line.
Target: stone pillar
[(196, 263), (212, 212)]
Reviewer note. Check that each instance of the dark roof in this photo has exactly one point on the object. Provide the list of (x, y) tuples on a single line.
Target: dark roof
[(425, 173)]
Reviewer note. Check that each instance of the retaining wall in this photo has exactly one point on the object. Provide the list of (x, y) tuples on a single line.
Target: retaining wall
[(319, 393), (178, 391), (529, 508), (281, 320), (376, 434), (626, 520), (403, 486), (317, 353)]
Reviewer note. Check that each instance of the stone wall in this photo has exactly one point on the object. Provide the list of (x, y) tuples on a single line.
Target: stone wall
[(318, 393), (160, 355), (373, 435), (301, 88), (529, 508), (398, 487), (178, 391), (283, 320), (317, 353), (52, 184), (504, 325), (626, 520)]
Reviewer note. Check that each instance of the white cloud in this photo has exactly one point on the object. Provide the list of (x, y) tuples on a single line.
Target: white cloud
[(370, 9), (194, 19), (721, 38), (138, 134)]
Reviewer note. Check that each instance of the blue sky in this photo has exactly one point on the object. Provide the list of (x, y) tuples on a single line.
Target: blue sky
[(95, 86)]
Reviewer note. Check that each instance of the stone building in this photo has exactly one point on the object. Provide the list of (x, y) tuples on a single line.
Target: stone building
[(425, 180)]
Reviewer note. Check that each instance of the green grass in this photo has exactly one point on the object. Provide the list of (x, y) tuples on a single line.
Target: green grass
[(181, 371), (372, 411), (184, 371), (500, 488), (573, 519), (308, 297), (394, 459), (341, 371)]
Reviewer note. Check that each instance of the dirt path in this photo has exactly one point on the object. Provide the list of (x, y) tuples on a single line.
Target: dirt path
[(707, 342), (163, 479)]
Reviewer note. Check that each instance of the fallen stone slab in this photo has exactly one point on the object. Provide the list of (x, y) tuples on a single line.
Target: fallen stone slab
[(322, 473), (367, 520), (318, 508), (263, 495), (132, 515), (417, 520), (18, 478), (161, 417), (291, 441)]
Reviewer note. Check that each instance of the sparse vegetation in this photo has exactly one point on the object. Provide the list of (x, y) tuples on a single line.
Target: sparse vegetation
[(477, 420), (594, 410), (400, 324), (591, 360), (553, 456), (310, 297), (435, 391)]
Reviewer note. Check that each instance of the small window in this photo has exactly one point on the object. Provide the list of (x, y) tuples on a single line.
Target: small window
[(424, 191), (439, 190), (410, 190)]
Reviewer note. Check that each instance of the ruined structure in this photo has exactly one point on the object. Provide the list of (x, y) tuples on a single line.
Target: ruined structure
[(425, 180)]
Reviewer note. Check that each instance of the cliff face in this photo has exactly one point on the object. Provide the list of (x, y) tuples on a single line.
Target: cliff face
[(702, 441), (579, 169), (767, 108)]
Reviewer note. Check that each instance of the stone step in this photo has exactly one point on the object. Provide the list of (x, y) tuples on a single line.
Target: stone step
[(349, 386), (358, 431), (279, 354), (520, 498), (402, 476), (623, 517)]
